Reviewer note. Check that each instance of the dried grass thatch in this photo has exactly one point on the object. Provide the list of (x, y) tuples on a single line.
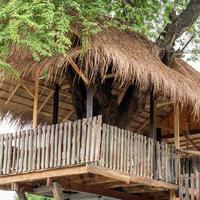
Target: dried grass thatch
[(128, 55)]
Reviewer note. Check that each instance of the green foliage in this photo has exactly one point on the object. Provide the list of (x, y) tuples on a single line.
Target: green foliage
[(44, 26), (34, 197)]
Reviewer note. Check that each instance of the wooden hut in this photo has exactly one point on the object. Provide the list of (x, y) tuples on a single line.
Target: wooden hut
[(65, 156)]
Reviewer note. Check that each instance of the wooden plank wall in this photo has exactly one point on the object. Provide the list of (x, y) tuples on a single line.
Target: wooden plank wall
[(133, 153), (51, 146), (189, 186)]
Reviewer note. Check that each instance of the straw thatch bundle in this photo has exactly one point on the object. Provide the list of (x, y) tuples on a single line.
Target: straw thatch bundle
[(128, 55)]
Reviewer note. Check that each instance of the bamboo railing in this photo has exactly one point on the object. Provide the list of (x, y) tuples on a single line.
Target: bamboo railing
[(86, 141), (189, 186), (134, 153), (52, 146)]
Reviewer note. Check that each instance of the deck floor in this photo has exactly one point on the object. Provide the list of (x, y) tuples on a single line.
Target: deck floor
[(88, 179)]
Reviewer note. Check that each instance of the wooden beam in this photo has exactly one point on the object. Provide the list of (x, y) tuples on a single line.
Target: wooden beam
[(121, 95), (161, 104), (57, 191), (177, 125), (46, 100), (68, 115), (13, 93), (43, 175), (79, 71), (127, 178), (55, 104), (28, 90), (191, 141), (35, 102)]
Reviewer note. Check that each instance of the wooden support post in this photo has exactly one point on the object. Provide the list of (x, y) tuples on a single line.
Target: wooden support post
[(55, 104), (153, 116), (57, 191), (21, 195), (90, 94), (177, 137), (153, 128), (35, 102), (176, 126), (172, 195)]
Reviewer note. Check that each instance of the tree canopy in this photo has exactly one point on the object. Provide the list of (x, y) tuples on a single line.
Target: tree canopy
[(44, 26)]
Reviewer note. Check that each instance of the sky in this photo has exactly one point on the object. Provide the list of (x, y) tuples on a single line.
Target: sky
[(6, 128)]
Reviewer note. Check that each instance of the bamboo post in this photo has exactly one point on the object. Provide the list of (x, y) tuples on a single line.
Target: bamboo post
[(176, 126), (35, 102), (153, 126), (177, 136)]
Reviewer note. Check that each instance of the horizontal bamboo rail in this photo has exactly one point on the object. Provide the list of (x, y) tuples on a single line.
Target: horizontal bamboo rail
[(86, 141)]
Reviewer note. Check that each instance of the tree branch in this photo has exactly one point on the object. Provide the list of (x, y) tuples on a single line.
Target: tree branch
[(179, 24)]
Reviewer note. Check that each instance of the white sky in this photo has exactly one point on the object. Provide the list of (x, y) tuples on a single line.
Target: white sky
[(6, 128)]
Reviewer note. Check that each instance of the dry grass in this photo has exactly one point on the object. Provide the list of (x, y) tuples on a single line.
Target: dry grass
[(128, 55)]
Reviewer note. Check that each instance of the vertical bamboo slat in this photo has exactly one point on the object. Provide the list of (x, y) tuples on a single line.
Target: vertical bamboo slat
[(39, 148), (9, 153), (60, 139), (83, 140), (69, 143), (30, 150), (1, 153), (26, 152), (56, 145), (14, 153), (78, 141), (52, 146), (64, 154), (47, 147), (98, 139), (73, 158)]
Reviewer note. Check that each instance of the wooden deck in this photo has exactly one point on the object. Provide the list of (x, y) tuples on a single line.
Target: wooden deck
[(91, 152)]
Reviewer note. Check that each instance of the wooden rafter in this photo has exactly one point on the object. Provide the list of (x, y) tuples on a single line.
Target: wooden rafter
[(68, 115), (121, 95), (28, 90), (46, 100), (47, 88), (13, 93), (161, 104), (79, 71)]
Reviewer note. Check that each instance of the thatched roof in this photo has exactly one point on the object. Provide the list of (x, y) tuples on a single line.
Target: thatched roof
[(126, 54)]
